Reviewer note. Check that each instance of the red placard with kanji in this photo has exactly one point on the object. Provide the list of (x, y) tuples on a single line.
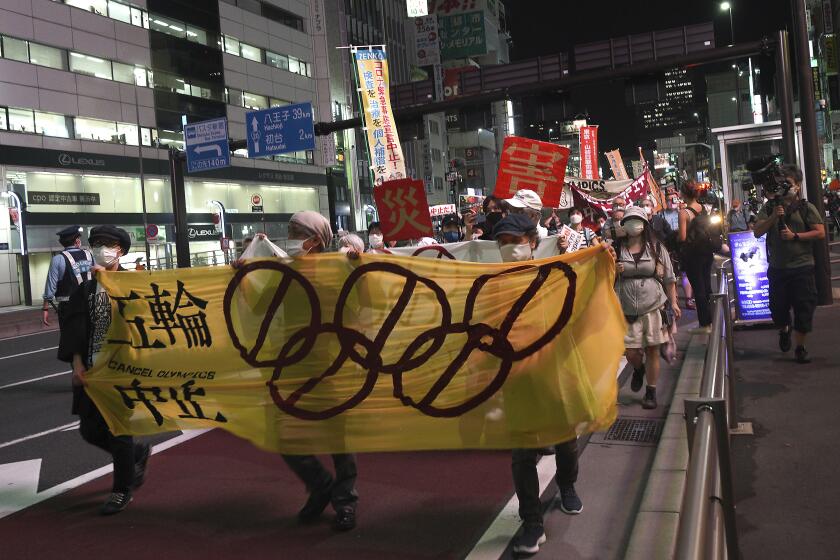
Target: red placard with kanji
[(403, 210), (530, 164)]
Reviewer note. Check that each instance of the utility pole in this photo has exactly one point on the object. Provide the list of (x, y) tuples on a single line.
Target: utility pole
[(810, 146)]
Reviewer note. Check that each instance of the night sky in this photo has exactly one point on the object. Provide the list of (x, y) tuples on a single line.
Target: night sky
[(540, 27)]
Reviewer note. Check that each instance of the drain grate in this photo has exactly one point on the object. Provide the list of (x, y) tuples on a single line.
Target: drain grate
[(635, 430)]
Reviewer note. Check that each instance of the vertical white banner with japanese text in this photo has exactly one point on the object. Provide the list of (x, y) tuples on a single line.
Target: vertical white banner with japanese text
[(386, 157)]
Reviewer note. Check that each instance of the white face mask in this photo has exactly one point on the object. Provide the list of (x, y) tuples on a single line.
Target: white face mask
[(515, 252), (105, 256), (648, 210), (376, 240), (295, 247), (634, 228), (576, 219)]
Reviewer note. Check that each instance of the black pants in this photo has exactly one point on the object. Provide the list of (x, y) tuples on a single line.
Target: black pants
[(527, 483), (310, 470), (698, 269), (95, 431), (793, 288)]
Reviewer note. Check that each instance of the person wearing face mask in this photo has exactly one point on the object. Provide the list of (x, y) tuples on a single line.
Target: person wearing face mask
[(646, 288), (661, 229), (451, 229), (528, 203), (612, 226), (376, 241), (792, 226), (517, 237), (87, 318), (310, 234), (576, 219)]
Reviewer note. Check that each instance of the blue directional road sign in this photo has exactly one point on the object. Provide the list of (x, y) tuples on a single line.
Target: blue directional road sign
[(206, 144), (280, 130)]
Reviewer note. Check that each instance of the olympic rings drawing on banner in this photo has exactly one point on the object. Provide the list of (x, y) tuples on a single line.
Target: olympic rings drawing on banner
[(479, 336)]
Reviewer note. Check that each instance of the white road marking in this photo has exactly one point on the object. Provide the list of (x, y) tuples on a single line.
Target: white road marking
[(18, 484), (39, 434), (25, 381), (27, 353), (47, 331), (498, 535), (23, 500)]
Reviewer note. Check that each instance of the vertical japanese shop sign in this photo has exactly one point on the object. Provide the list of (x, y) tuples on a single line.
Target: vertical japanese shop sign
[(589, 152), (386, 156), (426, 41)]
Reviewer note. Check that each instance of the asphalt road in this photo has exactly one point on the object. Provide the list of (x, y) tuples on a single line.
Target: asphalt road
[(35, 418)]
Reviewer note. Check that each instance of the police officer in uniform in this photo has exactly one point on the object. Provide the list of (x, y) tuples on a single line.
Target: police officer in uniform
[(68, 270)]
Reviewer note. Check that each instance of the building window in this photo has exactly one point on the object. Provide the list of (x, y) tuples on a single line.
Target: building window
[(233, 96), (22, 120), (15, 49), (197, 35), (51, 124), (169, 26), (94, 129), (281, 16), (277, 60), (98, 7), (4, 120), (231, 45), (90, 65), (278, 102), (436, 156), (46, 56), (254, 101), (251, 53), (119, 12), (434, 127)]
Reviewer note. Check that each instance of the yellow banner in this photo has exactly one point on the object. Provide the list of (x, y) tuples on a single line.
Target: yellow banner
[(386, 157), (326, 354)]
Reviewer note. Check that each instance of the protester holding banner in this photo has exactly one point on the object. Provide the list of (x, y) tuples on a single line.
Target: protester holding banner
[(451, 229), (588, 237), (517, 237), (309, 234), (528, 203), (646, 287), (376, 241), (612, 226), (83, 329), (350, 243)]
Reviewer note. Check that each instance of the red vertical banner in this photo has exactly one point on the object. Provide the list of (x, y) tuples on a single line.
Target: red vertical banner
[(403, 210), (589, 152)]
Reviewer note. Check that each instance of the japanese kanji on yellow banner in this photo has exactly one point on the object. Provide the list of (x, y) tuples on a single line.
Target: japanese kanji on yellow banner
[(382, 353)]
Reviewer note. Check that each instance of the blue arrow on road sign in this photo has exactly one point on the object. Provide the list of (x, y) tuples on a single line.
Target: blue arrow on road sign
[(206, 144), (280, 130)]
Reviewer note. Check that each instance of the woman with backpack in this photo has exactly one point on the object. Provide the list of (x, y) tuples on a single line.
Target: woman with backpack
[(646, 288), (698, 241)]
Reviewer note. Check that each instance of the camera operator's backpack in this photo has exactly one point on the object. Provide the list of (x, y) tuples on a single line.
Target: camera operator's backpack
[(702, 237)]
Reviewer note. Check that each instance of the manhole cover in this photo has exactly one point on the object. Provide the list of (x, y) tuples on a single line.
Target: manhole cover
[(635, 430)]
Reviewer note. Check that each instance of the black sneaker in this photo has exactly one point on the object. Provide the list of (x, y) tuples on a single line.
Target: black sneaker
[(784, 340), (569, 501), (530, 540), (116, 503), (345, 519), (315, 504), (140, 462), (649, 402), (637, 379), (802, 355)]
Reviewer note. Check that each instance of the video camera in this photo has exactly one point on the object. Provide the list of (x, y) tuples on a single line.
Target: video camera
[(767, 174)]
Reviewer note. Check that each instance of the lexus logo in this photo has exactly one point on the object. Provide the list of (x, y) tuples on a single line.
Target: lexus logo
[(67, 160), (194, 232)]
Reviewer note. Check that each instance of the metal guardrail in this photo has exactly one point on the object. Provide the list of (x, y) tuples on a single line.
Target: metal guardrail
[(707, 527)]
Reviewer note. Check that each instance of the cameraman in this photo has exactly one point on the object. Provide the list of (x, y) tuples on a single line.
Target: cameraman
[(791, 225)]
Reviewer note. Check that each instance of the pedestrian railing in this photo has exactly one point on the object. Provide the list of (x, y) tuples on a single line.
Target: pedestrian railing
[(707, 528)]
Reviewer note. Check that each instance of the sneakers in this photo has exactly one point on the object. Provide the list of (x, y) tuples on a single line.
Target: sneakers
[(530, 540), (140, 462), (569, 501), (784, 339), (116, 503), (345, 519), (649, 402), (315, 504), (638, 379), (802, 355)]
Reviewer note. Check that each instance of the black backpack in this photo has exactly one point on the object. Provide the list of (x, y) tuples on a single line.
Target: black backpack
[(702, 237)]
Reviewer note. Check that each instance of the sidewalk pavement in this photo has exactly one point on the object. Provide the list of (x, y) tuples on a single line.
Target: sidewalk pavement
[(786, 494), (22, 320)]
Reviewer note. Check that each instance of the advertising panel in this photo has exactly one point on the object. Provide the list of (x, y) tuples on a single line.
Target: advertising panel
[(749, 264)]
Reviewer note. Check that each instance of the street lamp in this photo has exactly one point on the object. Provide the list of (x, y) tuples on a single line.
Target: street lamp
[(724, 7)]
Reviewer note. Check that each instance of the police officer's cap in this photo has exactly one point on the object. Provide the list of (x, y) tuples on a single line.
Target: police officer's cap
[(70, 232), (110, 234)]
